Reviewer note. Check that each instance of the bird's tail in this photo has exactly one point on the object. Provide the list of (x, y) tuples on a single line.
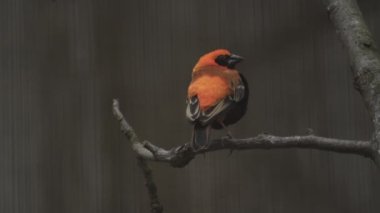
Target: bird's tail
[(201, 135)]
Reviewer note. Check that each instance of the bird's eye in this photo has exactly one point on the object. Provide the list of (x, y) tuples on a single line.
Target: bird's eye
[(222, 60)]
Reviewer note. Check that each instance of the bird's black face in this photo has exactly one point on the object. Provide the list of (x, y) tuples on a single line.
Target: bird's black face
[(229, 61)]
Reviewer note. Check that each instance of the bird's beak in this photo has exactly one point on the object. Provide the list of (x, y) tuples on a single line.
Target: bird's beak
[(233, 60)]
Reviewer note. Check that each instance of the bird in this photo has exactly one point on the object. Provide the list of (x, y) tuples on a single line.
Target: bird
[(217, 95)]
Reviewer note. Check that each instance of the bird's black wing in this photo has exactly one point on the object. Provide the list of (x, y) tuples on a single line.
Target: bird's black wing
[(208, 116), (193, 110), (195, 114), (238, 92)]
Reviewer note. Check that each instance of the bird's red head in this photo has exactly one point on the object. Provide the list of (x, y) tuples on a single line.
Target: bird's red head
[(219, 57)]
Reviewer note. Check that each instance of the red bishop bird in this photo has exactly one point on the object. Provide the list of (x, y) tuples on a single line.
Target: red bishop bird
[(217, 95)]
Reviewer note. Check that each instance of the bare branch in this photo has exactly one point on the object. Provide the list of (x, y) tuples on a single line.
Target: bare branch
[(363, 52), (181, 155), (142, 155)]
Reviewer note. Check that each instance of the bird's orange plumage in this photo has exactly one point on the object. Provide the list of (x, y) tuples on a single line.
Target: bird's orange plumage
[(209, 89), (209, 59), (212, 82), (217, 95)]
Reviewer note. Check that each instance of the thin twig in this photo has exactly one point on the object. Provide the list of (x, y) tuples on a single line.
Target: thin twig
[(142, 155)]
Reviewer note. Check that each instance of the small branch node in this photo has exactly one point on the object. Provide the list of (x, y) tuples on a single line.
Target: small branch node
[(332, 7), (310, 131)]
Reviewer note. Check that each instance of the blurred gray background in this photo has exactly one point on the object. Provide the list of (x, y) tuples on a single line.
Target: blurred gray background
[(62, 62)]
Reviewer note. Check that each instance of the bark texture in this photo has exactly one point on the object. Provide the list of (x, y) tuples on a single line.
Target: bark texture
[(364, 56)]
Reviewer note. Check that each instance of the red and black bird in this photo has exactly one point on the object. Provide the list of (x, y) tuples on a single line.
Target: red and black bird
[(217, 95)]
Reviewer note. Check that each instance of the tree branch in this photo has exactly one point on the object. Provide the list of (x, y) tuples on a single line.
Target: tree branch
[(181, 155), (364, 55), (142, 155)]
